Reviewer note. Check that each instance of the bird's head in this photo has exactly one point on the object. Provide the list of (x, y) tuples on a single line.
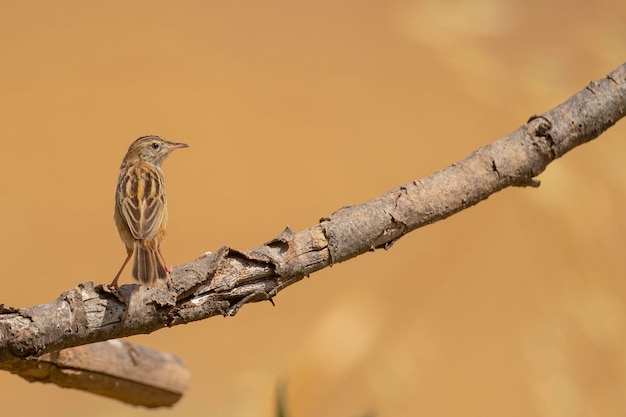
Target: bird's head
[(151, 149)]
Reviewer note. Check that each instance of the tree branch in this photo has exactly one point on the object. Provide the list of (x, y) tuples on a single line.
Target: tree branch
[(132, 374), (221, 283)]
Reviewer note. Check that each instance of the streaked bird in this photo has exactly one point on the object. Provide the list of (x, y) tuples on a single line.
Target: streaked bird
[(141, 208)]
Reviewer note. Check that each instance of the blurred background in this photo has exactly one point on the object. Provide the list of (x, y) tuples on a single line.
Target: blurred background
[(293, 109)]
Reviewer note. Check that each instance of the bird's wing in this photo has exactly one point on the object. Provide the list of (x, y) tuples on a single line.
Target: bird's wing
[(142, 200)]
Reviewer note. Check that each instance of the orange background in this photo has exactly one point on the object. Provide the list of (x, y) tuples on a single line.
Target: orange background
[(515, 307)]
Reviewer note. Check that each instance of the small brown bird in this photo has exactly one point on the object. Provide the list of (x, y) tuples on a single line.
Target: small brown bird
[(141, 208)]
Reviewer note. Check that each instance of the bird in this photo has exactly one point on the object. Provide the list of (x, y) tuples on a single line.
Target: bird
[(141, 208)]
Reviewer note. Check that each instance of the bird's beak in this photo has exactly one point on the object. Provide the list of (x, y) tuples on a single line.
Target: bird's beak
[(174, 145)]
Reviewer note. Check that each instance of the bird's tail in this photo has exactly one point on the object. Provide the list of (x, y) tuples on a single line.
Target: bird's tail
[(148, 266)]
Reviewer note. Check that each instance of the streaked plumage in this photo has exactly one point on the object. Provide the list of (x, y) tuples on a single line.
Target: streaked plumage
[(141, 208)]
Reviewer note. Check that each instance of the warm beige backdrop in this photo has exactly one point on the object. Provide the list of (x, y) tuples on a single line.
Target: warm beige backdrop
[(516, 307)]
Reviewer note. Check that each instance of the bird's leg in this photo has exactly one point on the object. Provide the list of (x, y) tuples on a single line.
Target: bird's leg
[(117, 276), (167, 269)]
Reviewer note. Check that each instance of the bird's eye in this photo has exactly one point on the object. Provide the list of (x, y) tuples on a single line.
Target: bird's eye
[(155, 145)]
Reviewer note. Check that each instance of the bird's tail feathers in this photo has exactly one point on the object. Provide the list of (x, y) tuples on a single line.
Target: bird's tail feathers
[(148, 266)]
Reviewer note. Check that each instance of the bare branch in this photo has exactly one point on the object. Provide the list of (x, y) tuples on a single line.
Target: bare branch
[(221, 283), (115, 369)]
